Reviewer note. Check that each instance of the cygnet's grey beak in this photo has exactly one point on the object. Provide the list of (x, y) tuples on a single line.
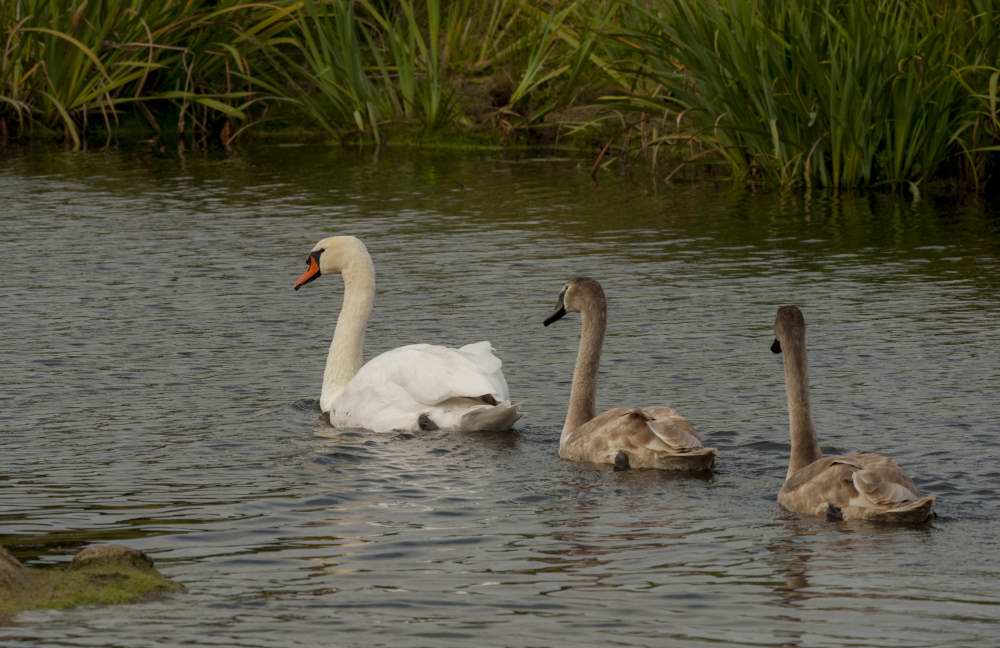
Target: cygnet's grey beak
[(555, 316), (776, 346), (560, 310)]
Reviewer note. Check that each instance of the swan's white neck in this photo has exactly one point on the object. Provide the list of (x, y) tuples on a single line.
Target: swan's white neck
[(802, 433), (347, 347)]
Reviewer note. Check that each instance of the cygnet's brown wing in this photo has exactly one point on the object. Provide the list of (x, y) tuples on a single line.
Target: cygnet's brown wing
[(814, 488), (602, 437), (671, 431), (881, 482)]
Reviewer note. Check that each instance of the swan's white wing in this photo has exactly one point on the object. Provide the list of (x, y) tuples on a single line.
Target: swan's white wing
[(432, 374), (394, 388), (481, 354), (381, 408)]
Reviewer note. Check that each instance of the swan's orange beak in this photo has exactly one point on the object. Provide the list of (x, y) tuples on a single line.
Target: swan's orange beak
[(312, 272)]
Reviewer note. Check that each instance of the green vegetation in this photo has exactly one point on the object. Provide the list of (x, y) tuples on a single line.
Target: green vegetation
[(67, 65), (99, 585), (99, 582), (831, 92), (813, 93)]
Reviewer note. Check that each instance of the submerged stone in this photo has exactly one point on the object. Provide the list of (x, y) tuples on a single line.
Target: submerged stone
[(110, 554), (13, 575), (98, 575)]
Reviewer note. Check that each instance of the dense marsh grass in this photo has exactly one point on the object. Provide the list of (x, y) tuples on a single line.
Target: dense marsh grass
[(352, 66), (348, 68), (66, 65), (830, 93), (815, 93)]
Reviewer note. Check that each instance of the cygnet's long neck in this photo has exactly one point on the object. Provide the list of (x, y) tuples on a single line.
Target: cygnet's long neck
[(583, 395), (804, 448), (347, 347)]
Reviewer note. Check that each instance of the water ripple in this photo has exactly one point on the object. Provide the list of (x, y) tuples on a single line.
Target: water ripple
[(161, 378)]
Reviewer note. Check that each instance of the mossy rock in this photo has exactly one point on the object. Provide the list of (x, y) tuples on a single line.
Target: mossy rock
[(13, 575), (98, 575)]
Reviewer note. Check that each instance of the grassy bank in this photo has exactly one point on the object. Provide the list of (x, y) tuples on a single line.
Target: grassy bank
[(829, 93)]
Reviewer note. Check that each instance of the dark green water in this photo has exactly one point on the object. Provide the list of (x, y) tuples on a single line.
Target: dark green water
[(159, 382)]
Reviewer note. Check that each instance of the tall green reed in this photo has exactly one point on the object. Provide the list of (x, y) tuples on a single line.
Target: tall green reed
[(64, 65), (353, 66), (829, 92), (73, 80), (209, 56), (320, 65), (558, 60), (418, 62)]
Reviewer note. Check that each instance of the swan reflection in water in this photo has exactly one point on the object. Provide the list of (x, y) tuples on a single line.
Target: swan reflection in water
[(816, 550)]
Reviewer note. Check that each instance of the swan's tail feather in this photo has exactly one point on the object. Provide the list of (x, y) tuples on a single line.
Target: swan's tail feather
[(915, 512), (496, 418), (690, 460)]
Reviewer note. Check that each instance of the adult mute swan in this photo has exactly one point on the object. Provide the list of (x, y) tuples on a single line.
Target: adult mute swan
[(648, 437), (862, 486), (415, 387)]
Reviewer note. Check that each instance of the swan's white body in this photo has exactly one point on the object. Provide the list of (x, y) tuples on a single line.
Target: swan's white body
[(393, 390), (411, 388)]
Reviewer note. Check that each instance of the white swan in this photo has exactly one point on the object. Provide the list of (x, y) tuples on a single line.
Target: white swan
[(412, 388)]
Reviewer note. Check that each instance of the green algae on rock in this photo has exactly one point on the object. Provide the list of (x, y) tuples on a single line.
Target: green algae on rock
[(98, 575)]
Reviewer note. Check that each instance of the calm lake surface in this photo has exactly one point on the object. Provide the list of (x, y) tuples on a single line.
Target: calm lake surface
[(160, 379)]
